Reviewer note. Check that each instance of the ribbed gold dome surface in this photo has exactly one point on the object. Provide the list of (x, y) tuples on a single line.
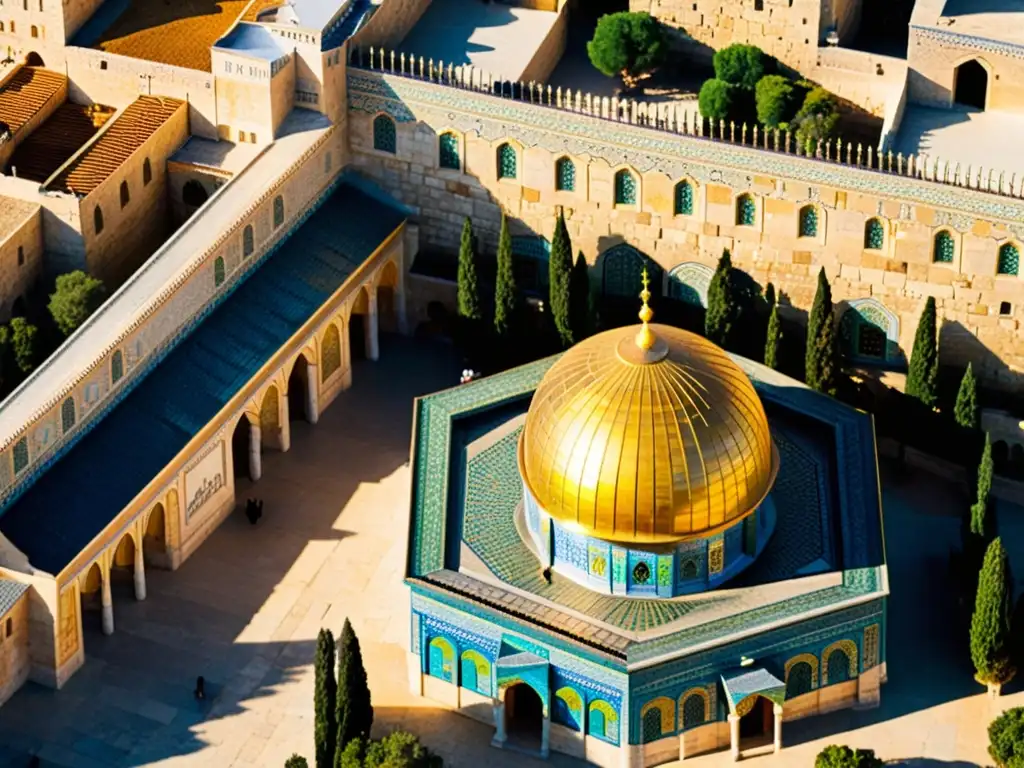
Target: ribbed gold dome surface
[(649, 437)]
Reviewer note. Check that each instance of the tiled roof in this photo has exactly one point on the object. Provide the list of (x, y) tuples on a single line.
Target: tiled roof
[(49, 146), (10, 591), (258, 6), (89, 485), (25, 93), (127, 133), (13, 213)]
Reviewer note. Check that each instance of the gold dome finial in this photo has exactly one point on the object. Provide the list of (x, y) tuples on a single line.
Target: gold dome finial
[(645, 338)]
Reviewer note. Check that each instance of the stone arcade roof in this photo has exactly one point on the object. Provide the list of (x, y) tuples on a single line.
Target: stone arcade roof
[(50, 145), (107, 153), (25, 93), (99, 476), (826, 552), (10, 593)]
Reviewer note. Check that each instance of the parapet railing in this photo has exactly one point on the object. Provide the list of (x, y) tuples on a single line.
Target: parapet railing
[(672, 118)]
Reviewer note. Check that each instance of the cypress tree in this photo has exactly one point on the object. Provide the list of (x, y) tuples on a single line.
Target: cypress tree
[(827, 358), (721, 312), (771, 346), (468, 275), (355, 711), (981, 519), (769, 296), (990, 624), (325, 691), (505, 294), (966, 410), (581, 308), (923, 373), (559, 282), (821, 315)]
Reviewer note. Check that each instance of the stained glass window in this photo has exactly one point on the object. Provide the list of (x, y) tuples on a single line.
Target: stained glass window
[(384, 134), (945, 248), (448, 149), (693, 710), (507, 162), (838, 667), (800, 678), (746, 211), (641, 573), (871, 341), (651, 725), (684, 199), (565, 175), (689, 569), (808, 221), (874, 235), (1009, 259), (625, 188)]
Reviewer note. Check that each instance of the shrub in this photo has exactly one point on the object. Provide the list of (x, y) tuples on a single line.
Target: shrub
[(1006, 739), (774, 98), (740, 65), (296, 761), (990, 624), (817, 119), (399, 750), (77, 295), (24, 344), (843, 757), (715, 99), (627, 44)]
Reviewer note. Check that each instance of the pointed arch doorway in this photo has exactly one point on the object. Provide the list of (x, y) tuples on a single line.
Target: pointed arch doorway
[(524, 717), (971, 85)]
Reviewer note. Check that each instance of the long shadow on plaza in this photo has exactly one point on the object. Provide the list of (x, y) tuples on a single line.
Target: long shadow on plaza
[(132, 702)]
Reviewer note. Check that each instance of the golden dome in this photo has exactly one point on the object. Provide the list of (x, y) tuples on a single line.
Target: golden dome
[(647, 437)]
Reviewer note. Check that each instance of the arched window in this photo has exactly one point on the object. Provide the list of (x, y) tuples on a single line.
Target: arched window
[(1, 26), (330, 352), (218, 271), (385, 136), (278, 211), (448, 151), (507, 162), (684, 199), (248, 246), (651, 725), (746, 211), (193, 194), (838, 667), (147, 172), (603, 721), (568, 709), (689, 569), (125, 195), (808, 221), (625, 188), (34, 31), (67, 415), (476, 672), (874, 235), (20, 455), (441, 660), (1009, 259), (800, 679), (945, 248), (97, 219), (116, 366), (693, 711), (565, 175)]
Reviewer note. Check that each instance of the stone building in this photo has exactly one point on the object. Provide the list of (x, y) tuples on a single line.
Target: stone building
[(14, 657)]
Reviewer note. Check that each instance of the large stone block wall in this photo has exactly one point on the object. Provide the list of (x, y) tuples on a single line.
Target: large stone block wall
[(21, 261), (14, 657), (981, 310)]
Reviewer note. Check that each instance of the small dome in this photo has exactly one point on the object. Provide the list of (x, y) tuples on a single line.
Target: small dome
[(649, 437)]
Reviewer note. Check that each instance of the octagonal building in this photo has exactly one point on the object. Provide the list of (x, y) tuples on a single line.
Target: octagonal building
[(644, 549)]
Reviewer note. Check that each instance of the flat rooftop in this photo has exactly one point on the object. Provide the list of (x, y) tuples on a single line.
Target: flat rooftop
[(493, 37), (223, 156), (128, 132), (50, 145), (993, 19), (179, 33), (25, 93), (13, 214)]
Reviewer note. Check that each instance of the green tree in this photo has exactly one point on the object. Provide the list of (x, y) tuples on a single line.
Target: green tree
[(820, 360), (817, 119), (773, 96), (355, 710), (981, 519), (834, 756), (740, 65), (581, 304), (771, 346), (296, 761), (966, 409), (990, 624), (76, 296), (769, 296), (627, 44), (722, 311), (923, 372), (560, 283), (325, 694), (1006, 739), (468, 276), (24, 344), (506, 295), (828, 358), (399, 750), (715, 99), (352, 755)]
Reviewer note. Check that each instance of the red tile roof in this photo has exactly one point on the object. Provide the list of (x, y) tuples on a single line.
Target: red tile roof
[(25, 93)]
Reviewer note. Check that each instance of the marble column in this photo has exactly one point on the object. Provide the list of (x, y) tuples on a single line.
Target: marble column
[(734, 737), (255, 455), (545, 737), (312, 400), (140, 575), (284, 417), (108, 605), (372, 340), (777, 710), (499, 725)]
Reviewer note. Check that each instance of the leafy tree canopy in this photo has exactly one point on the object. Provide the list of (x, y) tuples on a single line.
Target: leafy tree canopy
[(1006, 739), (990, 624), (740, 65), (834, 756), (715, 99), (966, 409), (627, 44), (774, 98), (77, 296)]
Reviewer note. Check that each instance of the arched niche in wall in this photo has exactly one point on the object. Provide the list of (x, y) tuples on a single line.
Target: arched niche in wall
[(870, 333)]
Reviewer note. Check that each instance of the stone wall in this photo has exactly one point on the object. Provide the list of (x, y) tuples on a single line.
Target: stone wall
[(14, 658), (980, 309), (21, 261), (550, 51), (390, 23)]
